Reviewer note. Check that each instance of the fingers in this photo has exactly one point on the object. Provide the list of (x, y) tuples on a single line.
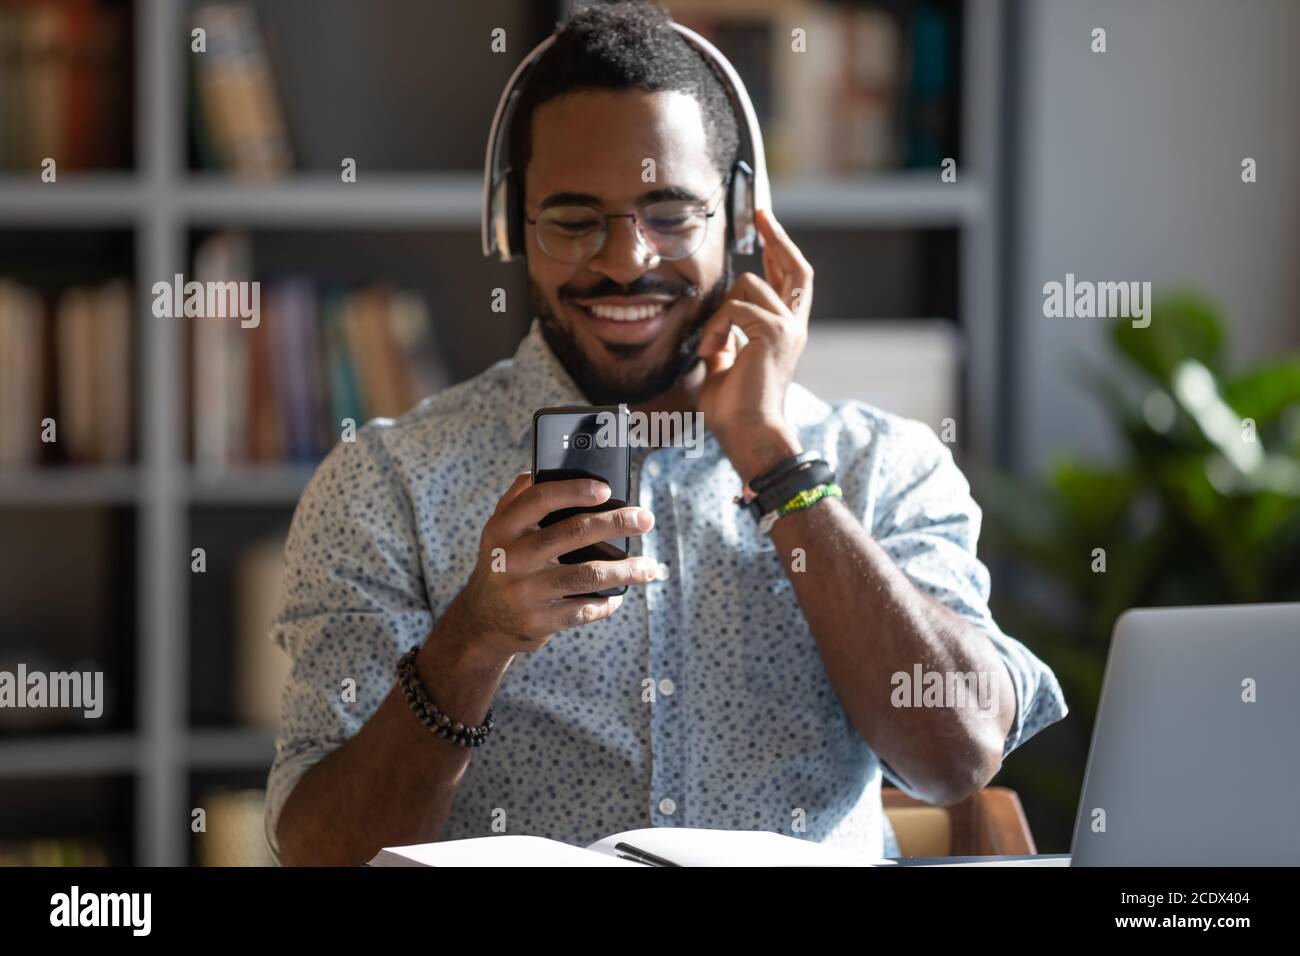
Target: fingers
[(754, 320), (592, 576), (749, 287), (522, 480), (575, 612), (533, 503), (579, 531), (782, 260), (722, 359)]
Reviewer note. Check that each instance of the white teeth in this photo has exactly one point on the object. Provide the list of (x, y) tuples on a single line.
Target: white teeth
[(626, 313)]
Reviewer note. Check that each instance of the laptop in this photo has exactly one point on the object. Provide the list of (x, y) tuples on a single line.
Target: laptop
[(1195, 757)]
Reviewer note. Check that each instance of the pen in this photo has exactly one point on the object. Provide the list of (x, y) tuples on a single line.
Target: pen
[(642, 856)]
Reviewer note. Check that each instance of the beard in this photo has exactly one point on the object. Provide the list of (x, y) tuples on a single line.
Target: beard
[(606, 385)]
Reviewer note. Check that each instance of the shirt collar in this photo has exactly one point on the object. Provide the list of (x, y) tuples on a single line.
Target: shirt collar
[(540, 380)]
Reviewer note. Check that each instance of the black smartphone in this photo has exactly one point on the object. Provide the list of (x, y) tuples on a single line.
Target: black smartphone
[(585, 441)]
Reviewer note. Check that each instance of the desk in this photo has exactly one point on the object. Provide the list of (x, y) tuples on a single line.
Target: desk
[(1040, 859)]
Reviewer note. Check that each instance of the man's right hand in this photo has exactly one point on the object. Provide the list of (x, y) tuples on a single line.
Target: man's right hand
[(514, 603)]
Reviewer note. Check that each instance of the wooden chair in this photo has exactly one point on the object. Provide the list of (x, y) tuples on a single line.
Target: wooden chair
[(988, 823)]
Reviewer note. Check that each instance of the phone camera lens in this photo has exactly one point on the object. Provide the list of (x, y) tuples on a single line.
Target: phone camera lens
[(582, 442)]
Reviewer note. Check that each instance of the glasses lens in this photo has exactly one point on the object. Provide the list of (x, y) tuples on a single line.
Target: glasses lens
[(676, 229), (570, 233)]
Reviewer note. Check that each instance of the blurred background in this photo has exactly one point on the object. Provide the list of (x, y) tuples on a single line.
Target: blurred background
[(1172, 449)]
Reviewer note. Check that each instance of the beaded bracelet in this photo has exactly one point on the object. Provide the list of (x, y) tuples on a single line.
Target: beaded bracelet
[(804, 499), (433, 718)]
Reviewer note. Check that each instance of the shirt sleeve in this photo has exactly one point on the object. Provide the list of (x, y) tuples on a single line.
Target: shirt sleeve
[(927, 521), (353, 602)]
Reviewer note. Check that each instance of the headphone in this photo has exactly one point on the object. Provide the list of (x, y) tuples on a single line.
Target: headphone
[(503, 194)]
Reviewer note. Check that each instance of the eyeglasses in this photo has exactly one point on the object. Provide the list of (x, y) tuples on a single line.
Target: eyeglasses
[(673, 228)]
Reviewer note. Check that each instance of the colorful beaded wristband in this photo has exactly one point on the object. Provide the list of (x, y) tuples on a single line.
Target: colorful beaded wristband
[(433, 718), (804, 499)]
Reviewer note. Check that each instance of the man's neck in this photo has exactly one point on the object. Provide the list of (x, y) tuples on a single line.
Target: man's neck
[(680, 398)]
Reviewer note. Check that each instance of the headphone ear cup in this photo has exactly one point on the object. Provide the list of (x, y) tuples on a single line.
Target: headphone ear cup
[(741, 221), (515, 216)]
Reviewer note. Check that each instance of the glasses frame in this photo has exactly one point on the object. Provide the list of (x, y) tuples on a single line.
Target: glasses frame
[(640, 226)]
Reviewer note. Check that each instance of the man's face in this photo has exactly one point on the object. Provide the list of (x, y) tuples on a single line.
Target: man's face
[(592, 148)]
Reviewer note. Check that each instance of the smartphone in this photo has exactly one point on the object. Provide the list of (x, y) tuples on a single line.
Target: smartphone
[(585, 441)]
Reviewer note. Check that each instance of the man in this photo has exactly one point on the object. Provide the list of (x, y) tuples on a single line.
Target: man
[(745, 680)]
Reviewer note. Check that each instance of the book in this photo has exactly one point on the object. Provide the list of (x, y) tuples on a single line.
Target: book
[(65, 84), (293, 315), (22, 380), (237, 94), (280, 390), (220, 362), (75, 341), (235, 835), (261, 667), (685, 846), (344, 393), (112, 307)]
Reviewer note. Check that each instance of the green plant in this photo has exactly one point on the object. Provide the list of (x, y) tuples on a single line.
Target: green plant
[(1201, 507)]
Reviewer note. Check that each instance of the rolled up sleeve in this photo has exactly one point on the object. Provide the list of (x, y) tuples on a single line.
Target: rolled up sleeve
[(927, 521), (353, 602)]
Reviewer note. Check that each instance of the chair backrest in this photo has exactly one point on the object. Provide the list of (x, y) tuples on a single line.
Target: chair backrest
[(987, 823)]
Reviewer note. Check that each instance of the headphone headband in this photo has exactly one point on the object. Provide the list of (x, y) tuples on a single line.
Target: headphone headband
[(752, 182)]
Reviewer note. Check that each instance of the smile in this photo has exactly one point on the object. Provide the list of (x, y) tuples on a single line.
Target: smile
[(627, 320), (626, 313)]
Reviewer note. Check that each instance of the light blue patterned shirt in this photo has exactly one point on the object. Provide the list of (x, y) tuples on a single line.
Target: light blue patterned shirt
[(744, 731)]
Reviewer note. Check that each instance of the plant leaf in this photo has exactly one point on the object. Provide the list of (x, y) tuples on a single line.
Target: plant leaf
[(1182, 326), (1264, 393)]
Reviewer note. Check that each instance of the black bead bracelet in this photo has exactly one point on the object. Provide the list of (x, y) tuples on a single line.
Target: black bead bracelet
[(429, 714)]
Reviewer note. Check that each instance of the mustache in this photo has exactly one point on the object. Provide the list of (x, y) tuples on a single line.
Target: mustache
[(642, 286)]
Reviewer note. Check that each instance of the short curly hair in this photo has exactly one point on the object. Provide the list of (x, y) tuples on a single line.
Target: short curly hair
[(622, 46)]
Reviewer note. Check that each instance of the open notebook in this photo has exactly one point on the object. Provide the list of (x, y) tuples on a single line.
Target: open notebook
[(685, 846)]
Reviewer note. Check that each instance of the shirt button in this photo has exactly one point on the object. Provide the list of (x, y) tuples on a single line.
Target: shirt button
[(666, 687), (653, 468), (661, 573), (667, 806)]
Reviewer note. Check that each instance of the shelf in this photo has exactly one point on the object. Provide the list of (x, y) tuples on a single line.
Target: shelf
[(453, 200), (57, 485), (382, 199), (237, 748), (67, 755), (250, 485), (885, 199), (82, 754), (80, 199)]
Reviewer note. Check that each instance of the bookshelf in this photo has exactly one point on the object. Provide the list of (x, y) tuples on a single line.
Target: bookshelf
[(162, 203)]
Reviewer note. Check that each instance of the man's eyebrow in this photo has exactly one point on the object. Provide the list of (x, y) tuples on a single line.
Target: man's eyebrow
[(586, 199), (570, 199)]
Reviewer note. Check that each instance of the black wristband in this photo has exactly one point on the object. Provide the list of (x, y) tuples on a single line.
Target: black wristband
[(803, 478), (756, 485), (433, 718)]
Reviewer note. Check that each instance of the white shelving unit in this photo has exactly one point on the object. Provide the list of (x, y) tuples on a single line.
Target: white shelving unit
[(161, 201)]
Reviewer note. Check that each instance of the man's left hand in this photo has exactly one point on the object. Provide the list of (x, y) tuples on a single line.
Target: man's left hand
[(742, 398)]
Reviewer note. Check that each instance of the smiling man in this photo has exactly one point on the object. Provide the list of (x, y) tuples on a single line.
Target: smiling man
[(747, 678)]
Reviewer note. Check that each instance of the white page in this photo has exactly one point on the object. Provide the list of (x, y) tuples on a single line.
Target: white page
[(504, 850), (691, 846)]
